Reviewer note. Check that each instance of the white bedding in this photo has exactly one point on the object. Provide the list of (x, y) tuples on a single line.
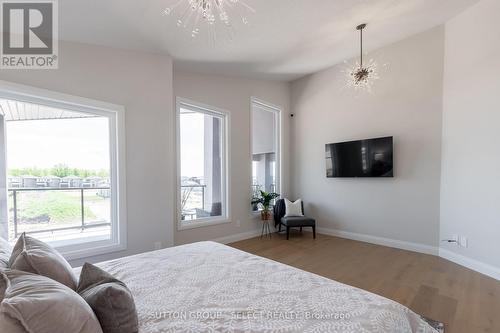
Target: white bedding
[(209, 287)]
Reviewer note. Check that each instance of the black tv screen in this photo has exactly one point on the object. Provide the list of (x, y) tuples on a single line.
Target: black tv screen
[(363, 158)]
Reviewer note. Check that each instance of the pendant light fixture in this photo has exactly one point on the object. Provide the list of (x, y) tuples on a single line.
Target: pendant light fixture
[(214, 16), (363, 74)]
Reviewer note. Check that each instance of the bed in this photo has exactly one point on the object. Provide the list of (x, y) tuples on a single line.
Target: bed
[(209, 287)]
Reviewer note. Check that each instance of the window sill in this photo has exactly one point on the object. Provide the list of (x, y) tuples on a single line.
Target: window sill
[(184, 225), (90, 248), (255, 213)]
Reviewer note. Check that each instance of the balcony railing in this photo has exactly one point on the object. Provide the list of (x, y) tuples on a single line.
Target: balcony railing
[(193, 198), (81, 222)]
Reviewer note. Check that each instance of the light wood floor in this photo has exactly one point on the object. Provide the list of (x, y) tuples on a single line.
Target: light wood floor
[(466, 301)]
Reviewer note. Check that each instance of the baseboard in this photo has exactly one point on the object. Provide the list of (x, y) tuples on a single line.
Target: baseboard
[(238, 237), (475, 265), (409, 246)]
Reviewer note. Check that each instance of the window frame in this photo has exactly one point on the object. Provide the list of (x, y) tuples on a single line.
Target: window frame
[(225, 165), (277, 110), (116, 116)]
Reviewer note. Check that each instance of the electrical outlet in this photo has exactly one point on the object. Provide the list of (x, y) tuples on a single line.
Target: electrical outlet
[(157, 245), (455, 239), (238, 223), (463, 241)]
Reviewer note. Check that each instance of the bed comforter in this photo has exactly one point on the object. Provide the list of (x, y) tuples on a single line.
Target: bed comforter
[(209, 287)]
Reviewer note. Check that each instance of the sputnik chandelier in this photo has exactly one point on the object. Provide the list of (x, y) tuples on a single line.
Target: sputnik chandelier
[(363, 74), (211, 14)]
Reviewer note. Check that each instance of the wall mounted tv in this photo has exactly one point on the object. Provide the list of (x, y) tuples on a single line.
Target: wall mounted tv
[(362, 158)]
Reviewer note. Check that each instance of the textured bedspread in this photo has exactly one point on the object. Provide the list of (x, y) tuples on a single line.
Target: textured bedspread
[(209, 287)]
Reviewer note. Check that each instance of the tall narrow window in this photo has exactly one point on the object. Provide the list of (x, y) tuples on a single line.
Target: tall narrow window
[(265, 149), (203, 160), (62, 175)]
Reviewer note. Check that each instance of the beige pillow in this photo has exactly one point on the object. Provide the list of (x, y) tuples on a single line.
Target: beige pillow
[(34, 303), (5, 251), (293, 209), (110, 299), (34, 256)]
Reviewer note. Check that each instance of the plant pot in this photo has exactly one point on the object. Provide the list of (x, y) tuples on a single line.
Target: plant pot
[(265, 215)]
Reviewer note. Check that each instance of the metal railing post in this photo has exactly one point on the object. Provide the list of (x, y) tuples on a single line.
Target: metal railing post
[(14, 197), (203, 198), (83, 210)]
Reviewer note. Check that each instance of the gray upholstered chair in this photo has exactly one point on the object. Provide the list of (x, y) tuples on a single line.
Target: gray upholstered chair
[(291, 222)]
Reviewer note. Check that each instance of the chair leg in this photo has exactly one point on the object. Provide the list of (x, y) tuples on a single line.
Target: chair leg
[(287, 233), (314, 232), (279, 227), (300, 229)]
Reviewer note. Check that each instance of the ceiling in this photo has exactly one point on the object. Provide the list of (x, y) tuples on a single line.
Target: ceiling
[(18, 111), (285, 39)]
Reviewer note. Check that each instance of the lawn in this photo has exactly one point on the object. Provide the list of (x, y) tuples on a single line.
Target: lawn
[(58, 207)]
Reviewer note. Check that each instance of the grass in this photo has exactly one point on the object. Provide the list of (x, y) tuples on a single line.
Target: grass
[(56, 207)]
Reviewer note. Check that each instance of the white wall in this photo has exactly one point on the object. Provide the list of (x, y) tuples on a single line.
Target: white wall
[(234, 95), (142, 83), (406, 104), (470, 187)]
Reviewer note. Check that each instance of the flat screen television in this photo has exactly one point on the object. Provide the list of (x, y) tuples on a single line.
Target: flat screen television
[(362, 158)]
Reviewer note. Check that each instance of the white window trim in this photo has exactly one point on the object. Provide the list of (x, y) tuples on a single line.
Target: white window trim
[(4, 214), (116, 115), (279, 126), (226, 170)]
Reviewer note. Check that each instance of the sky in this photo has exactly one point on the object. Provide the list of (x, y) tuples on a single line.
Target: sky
[(84, 143), (78, 143), (192, 144)]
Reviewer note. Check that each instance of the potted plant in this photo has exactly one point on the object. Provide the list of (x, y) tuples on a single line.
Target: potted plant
[(264, 199)]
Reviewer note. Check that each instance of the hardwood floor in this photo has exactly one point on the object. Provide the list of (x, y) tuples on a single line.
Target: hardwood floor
[(466, 301)]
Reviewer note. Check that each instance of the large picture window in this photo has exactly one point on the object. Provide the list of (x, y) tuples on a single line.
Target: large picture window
[(265, 149), (62, 165), (202, 149)]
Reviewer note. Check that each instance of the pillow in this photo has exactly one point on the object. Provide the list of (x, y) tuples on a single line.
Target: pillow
[(293, 208), (5, 251), (34, 256), (110, 299), (35, 303)]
